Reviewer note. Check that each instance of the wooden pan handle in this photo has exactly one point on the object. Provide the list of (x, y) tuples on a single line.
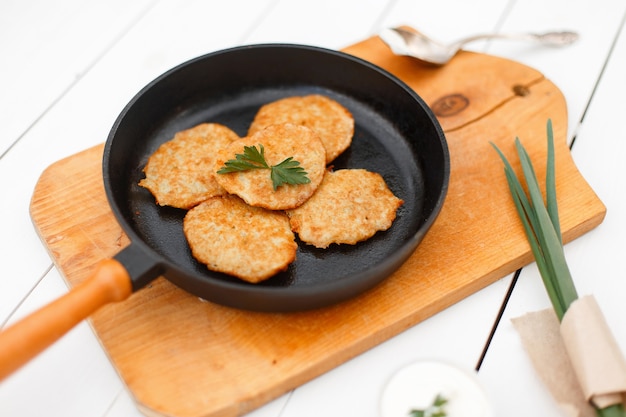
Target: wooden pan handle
[(28, 337)]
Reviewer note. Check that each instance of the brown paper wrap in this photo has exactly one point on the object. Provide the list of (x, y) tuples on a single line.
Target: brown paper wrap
[(598, 362), (578, 359)]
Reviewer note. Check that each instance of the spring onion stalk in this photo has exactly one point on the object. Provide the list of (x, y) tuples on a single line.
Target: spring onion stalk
[(542, 228)]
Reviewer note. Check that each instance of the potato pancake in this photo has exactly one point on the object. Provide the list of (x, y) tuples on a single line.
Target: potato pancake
[(230, 236), (280, 142), (180, 172), (332, 121), (349, 206)]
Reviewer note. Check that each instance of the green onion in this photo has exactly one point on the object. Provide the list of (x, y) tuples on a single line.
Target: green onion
[(542, 228)]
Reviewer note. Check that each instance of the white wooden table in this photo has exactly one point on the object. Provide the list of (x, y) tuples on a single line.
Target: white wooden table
[(68, 68)]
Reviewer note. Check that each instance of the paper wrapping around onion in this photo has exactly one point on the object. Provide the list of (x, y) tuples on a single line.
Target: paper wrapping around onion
[(579, 359)]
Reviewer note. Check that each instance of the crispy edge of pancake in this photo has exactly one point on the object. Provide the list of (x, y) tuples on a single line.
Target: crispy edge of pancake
[(350, 206), (330, 119), (280, 142), (180, 172), (230, 236)]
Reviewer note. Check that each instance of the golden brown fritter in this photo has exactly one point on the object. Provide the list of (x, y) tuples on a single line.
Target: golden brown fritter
[(238, 223), (233, 237), (350, 206), (255, 187), (180, 172), (332, 121)]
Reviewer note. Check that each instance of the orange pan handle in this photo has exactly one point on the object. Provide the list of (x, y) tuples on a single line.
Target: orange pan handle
[(27, 338)]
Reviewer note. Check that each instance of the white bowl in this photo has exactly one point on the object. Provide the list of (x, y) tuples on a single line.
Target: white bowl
[(416, 385)]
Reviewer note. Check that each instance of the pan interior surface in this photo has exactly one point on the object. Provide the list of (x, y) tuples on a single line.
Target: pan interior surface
[(395, 135)]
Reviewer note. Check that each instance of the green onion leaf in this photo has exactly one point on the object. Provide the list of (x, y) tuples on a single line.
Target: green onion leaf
[(543, 232), (541, 227)]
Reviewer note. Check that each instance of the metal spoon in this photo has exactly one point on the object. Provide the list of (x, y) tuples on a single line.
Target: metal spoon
[(425, 49)]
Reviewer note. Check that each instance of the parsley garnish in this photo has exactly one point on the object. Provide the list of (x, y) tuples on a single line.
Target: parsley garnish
[(435, 410), (288, 171)]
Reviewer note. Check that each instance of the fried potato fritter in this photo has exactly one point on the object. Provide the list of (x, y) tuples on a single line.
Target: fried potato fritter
[(180, 172), (230, 236), (349, 206), (280, 142), (237, 223), (332, 121)]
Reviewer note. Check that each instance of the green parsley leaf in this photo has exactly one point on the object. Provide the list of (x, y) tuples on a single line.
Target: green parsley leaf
[(251, 158), (436, 409), (288, 171)]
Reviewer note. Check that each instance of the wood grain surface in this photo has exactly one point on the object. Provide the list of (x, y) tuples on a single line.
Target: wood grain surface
[(182, 356)]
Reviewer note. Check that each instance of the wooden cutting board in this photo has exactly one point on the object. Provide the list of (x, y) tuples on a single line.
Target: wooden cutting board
[(181, 356)]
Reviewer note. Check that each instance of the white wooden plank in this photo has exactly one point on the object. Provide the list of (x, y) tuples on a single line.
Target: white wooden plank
[(455, 335), (600, 150), (575, 68), (354, 387), (173, 31), (168, 35), (325, 23), (448, 20), (147, 59), (124, 406), (46, 46), (595, 260), (72, 378)]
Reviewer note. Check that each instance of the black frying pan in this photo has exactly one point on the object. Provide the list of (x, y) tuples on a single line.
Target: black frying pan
[(395, 135)]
